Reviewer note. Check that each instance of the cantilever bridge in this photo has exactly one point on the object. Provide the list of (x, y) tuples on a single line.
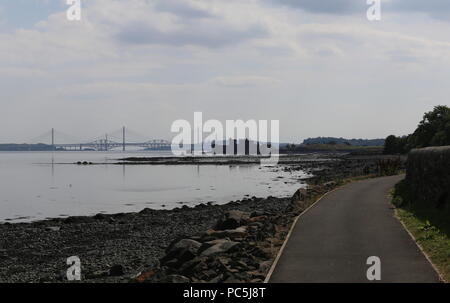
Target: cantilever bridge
[(121, 138)]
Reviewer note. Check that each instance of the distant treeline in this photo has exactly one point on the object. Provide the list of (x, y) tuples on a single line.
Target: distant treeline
[(339, 141), (25, 147), (433, 130)]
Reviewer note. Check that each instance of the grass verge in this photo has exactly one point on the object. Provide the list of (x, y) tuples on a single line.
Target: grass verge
[(429, 226)]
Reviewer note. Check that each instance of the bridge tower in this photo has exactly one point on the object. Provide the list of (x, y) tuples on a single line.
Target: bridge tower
[(53, 139), (123, 138)]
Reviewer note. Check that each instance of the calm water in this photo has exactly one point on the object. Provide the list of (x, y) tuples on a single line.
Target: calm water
[(37, 185)]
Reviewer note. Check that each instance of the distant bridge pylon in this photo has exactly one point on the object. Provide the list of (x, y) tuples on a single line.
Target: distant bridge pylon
[(121, 138)]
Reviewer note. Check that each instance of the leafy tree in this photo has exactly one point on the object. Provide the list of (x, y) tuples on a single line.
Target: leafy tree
[(396, 145), (434, 129), (390, 145)]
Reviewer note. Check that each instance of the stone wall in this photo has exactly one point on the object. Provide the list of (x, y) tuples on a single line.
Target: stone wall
[(428, 176)]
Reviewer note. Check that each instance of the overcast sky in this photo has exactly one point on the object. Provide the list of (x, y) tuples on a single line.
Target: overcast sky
[(318, 66)]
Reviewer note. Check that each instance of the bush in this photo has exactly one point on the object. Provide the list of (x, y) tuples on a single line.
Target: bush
[(389, 167), (401, 194)]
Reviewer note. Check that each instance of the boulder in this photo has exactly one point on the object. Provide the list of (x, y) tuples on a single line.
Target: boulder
[(240, 232), (300, 195), (208, 244), (182, 250), (264, 267), (232, 219), (219, 248), (193, 266)]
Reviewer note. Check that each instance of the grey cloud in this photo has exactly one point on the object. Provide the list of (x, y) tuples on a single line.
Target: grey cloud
[(325, 52), (420, 5), (316, 35), (326, 6), (205, 36), (244, 81), (402, 56), (181, 8), (439, 9)]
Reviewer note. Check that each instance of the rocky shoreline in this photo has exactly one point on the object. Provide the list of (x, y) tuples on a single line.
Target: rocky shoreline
[(112, 248), (235, 242)]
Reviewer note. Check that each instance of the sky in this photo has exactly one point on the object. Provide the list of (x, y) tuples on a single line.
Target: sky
[(320, 67)]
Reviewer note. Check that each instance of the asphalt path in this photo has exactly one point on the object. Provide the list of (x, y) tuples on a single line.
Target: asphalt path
[(334, 239)]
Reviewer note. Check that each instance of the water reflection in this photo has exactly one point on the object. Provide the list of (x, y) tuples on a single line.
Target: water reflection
[(39, 185)]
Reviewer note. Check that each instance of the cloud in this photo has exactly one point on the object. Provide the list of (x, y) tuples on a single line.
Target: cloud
[(187, 25), (186, 9), (244, 81), (165, 59), (439, 9), (202, 34), (326, 6)]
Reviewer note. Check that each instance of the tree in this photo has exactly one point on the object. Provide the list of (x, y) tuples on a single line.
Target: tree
[(390, 145), (434, 129)]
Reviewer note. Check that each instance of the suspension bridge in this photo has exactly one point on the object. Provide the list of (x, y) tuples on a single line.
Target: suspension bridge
[(118, 139)]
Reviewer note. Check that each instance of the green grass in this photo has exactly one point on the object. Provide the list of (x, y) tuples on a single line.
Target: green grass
[(430, 227)]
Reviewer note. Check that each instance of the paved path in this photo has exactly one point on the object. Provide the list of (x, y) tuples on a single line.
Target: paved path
[(332, 241)]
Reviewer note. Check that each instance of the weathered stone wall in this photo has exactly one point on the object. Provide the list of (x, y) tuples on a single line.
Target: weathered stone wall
[(428, 176)]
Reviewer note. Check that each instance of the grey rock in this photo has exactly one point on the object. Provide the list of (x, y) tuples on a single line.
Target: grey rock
[(182, 250), (217, 279), (232, 219), (96, 274), (219, 248), (53, 228), (300, 195), (240, 232), (177, 279)]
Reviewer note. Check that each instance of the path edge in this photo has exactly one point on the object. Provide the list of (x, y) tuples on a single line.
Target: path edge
[(438, 272)]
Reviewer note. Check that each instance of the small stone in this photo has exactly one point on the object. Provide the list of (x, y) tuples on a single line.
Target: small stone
[(53, 228), (330, 184), (217, 279), (96, 274), (177, 279), (116, 270), (232, 279)]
